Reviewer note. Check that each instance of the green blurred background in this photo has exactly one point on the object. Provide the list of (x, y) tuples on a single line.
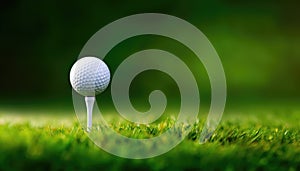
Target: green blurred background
[(258, 43)]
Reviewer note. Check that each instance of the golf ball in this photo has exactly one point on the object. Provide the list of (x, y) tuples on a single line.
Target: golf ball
[(89, 76)]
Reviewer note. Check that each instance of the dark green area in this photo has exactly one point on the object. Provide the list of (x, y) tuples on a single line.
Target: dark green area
[(258, 43)]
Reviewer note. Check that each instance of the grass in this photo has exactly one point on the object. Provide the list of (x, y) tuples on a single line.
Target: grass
[(251, 138)]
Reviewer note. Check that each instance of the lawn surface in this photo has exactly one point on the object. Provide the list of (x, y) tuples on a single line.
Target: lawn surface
[(250, 137)]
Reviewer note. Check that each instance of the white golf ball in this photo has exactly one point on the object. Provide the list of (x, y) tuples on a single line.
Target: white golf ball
[(89, 76)]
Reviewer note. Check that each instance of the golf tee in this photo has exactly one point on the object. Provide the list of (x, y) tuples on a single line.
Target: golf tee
[(89, 101)]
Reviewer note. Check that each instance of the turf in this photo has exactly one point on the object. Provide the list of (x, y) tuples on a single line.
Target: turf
[(259, 138)]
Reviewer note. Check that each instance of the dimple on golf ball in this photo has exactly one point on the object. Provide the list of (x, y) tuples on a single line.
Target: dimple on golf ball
[(89, 76)]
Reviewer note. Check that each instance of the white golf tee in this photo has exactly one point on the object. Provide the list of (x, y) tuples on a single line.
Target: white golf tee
[(89, 102)]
